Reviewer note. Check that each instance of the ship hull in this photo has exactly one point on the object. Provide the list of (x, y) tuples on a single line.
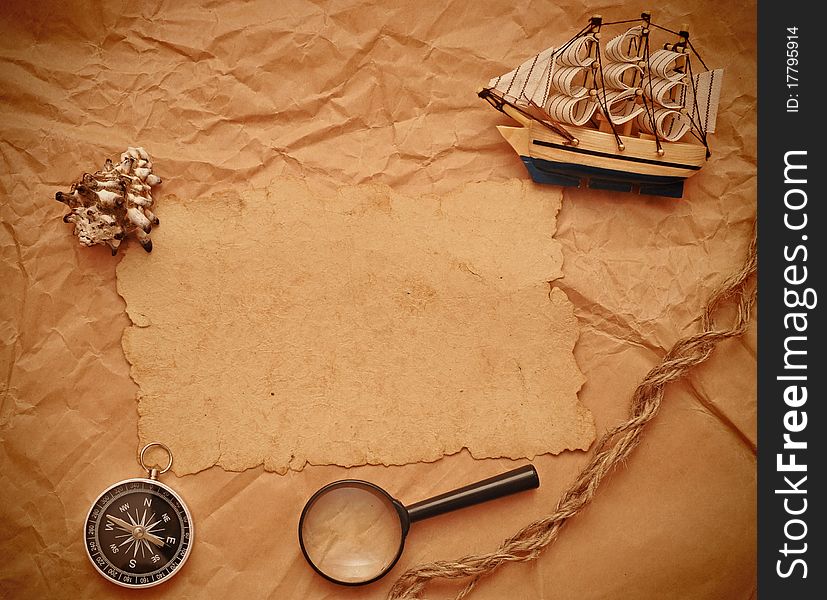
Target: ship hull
[(574, 175), (597, 163)]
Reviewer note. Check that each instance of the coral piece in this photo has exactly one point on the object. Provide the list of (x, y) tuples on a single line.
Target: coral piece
[(114, 202)]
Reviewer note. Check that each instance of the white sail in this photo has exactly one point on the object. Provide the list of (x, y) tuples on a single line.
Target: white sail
[(669, 94), (626, 47), (664, 86), (620, 105), (502, 83), (669, 124), (576, 53), (536, 84), (619, 76), (553, 70), (569, 81), (536, 89), (514, 84), (574, 111), (702, 105), (565, 71), (667, 64)]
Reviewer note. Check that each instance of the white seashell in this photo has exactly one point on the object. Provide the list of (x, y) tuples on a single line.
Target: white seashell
[(142, 173), (97, 202), (125, 166), (108, 199), (135, 200), (136, 215), (144, 239), (151, 216), (109, 184)]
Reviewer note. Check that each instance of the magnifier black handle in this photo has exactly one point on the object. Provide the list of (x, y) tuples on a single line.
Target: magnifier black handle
[(518, 480)]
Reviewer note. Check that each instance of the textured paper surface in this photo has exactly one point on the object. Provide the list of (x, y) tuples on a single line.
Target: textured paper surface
[(227, 95), (286, 328)]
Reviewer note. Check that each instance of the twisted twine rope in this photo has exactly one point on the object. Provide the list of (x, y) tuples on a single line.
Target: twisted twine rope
[(614, 447)]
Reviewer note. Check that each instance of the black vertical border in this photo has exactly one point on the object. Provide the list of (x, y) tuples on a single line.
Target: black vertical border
[(781, 131)]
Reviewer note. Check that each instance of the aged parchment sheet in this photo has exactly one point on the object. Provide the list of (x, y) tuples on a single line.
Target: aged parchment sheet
[(282, 327)]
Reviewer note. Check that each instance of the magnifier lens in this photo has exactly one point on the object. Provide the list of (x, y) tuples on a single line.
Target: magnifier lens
[(352, 532)]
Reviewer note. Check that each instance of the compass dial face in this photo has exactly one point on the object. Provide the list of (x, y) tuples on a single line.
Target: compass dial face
[(138, 533)]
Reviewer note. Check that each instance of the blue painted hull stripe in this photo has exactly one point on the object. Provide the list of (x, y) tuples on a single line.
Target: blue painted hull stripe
[(576, 171)]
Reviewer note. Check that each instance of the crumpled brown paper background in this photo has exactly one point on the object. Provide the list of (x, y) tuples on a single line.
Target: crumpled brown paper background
[(229, 95)]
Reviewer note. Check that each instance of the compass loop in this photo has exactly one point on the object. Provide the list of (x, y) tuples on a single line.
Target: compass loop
[(152, 470)]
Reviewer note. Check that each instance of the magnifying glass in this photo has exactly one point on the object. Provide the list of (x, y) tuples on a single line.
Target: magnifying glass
[(352, 532)]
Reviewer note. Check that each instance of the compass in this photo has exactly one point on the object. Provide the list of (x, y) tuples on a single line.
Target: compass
[(139, 532)]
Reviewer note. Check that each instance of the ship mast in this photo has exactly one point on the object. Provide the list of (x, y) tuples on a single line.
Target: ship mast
[(592, 79), (637, 75), (619, 77)]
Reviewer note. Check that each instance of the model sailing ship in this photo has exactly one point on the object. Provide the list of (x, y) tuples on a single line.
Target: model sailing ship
[(614, 115)]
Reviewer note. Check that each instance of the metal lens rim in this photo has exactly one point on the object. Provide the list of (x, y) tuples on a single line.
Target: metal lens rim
[(404, 522)]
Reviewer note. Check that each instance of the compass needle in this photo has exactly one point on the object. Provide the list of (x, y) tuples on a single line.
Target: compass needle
[(154, 539), (121, 523)]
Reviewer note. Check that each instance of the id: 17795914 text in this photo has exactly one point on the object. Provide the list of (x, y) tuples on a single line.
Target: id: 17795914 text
[(792, 70)]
